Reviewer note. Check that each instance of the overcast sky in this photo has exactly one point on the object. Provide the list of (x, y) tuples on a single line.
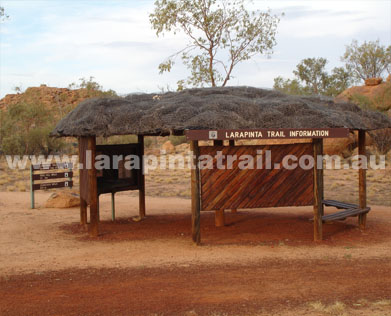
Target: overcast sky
[(57, 42)]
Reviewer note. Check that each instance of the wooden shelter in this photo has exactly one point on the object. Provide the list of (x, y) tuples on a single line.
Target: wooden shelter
[(224, 115)]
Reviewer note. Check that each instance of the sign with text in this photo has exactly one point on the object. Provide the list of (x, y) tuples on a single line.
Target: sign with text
[(52, 175), (53, 166), (267, 133), (52, 185), (57, 175)]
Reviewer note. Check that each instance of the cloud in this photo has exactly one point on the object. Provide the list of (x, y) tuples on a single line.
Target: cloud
[(58, 42), (314, 19)]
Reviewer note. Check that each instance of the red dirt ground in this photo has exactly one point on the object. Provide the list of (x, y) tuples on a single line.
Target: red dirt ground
[(263, 262), (239, 290), (242, 228)]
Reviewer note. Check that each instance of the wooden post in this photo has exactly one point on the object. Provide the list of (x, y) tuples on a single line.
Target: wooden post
[(195, 194), (141, 178), (113, 206), (98, 207), (83, 202), (362, 180), (93, 189), (32, 196), (83, 212), (232, 143), (318, 189), (219, 218)]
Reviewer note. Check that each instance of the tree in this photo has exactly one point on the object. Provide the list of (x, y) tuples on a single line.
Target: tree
[(369, 60), (290, 86), (3, 15), (312, 72), (337, 82), (93, 88), (25, 128), (221, 34)]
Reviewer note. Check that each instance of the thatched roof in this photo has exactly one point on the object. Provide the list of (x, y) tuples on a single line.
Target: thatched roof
[(212, 108)]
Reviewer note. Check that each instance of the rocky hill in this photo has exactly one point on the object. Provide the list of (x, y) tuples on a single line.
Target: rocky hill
[(375, 94), (61, 99)]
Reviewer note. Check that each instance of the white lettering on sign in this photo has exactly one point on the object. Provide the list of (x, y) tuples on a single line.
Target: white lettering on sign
[(275, 134), (244, 134), (309, 133)]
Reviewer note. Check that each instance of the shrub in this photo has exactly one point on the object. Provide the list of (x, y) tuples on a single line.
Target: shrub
[(382, 140), (177, 140)]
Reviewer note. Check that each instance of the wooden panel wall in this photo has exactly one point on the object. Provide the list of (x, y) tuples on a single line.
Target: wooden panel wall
[(253, 188)]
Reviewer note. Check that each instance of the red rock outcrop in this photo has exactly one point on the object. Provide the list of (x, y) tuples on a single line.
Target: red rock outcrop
[(373, 81), (379, 95), (59, 98)]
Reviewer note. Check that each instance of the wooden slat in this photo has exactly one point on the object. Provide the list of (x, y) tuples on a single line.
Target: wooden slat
[(195, 195), (339, 205), (252, 188), (362, 179), (344, 214)]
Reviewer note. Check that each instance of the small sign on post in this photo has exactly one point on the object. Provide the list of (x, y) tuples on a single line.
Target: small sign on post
[(59, 175)]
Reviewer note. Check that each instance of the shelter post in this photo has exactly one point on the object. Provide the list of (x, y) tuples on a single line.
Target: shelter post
[(141, 178), (219, 218), (195, 194), (318, 188), (83, 212), (93, 189), (113, 206), (232, 143), (219, 214), (83, 203), (362, 179)]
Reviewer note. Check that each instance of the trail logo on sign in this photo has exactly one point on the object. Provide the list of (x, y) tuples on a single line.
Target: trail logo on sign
[(212, 134)]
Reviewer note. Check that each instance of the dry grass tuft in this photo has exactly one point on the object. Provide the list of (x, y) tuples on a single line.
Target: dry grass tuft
[(384, 302), (336, 309)]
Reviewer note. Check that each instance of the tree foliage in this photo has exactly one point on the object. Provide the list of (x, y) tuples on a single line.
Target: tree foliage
[(3, 15), (312, 72), (221, 34), (25, 126), (94, 89), (290, 86), (368, 60), (25, 129), (312, 78)]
